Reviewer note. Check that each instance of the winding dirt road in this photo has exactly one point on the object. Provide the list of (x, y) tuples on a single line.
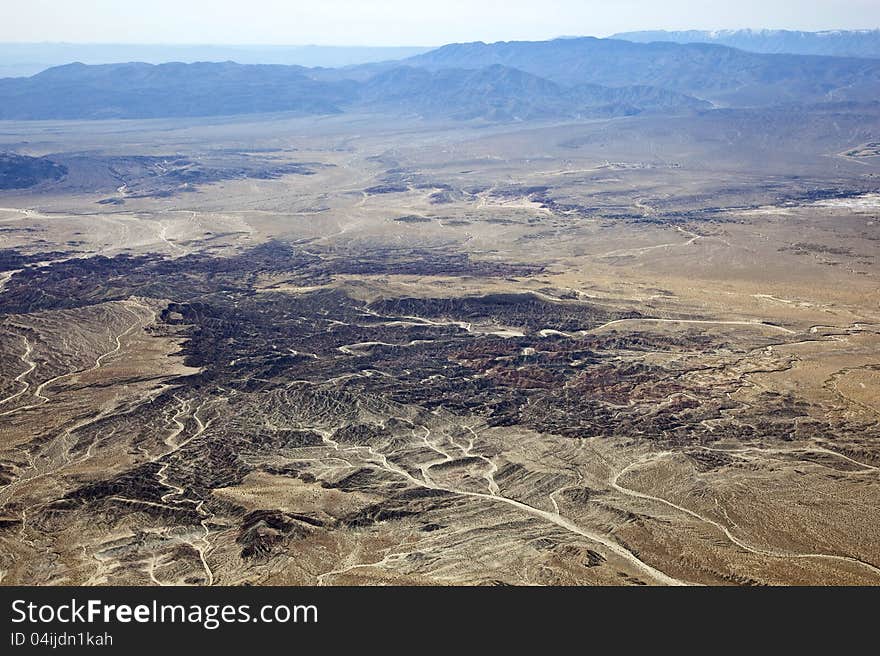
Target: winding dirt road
[(381, 462), (771, 553), (31, 365)]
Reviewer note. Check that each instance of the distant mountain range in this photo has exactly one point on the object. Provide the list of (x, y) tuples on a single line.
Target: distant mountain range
[(711, 72), (140, 90), (563, 78), (26, 59), (838, 43), (503, 93)]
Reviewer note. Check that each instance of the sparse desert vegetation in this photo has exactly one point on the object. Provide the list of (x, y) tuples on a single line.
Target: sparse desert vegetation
[(362, 349)]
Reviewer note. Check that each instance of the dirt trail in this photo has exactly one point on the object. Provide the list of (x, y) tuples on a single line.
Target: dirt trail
[(162, 234), (552, 518), (807, 449), (5, 277), (139, 322), (201, 545), (31, 365), (55, 453), (751, 324), (721, 527)]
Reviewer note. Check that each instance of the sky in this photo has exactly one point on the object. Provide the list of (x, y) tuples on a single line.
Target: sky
[(402, 22)]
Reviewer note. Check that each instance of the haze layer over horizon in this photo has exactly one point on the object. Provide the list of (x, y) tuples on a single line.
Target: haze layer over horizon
[(404, 23)]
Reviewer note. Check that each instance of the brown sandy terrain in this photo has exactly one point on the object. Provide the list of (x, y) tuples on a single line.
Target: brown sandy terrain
[(634, 351)]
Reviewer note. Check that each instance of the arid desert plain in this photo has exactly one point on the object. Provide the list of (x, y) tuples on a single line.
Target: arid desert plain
[(351, 350)]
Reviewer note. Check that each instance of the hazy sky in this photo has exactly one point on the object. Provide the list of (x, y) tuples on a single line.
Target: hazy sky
[(402, 22)]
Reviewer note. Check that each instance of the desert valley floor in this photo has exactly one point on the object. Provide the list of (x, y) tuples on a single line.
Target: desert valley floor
[(350, 350)]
